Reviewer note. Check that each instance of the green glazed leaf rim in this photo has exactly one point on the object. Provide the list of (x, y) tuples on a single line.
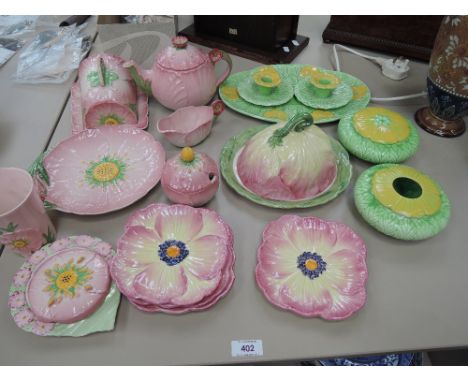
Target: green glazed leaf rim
[(375, 152), (237, 142), (293, 106), (390, 223)]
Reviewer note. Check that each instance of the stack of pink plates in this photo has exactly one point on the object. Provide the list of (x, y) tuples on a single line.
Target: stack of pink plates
[(174, 259)]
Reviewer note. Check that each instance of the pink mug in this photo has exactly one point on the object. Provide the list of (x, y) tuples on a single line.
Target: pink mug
[(24, 224)]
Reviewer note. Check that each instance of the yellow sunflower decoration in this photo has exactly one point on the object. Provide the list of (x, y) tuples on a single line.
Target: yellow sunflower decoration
[(406, 191), (401, 202), (381, 125)]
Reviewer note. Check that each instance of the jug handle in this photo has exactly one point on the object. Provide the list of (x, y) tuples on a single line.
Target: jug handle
[(218, 107), (217, 55)]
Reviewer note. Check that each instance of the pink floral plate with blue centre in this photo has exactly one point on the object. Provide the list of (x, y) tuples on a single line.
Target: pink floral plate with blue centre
[(174, 259), (312, 267), (100, 170)]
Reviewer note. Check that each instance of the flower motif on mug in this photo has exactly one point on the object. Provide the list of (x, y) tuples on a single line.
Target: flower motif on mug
[(23, 241)]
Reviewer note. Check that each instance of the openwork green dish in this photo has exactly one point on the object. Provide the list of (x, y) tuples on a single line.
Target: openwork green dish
[(230, 95), (236, 143), (304, 92), (248, 90), (401, 202)]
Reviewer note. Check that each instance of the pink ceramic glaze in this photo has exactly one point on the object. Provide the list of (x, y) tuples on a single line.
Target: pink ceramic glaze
[(189, 125), (182, 75), (291, 160), (193, 183), (68, 286), (193, 276), (312, 267), (106, 95), (103, 170), (24, 224)]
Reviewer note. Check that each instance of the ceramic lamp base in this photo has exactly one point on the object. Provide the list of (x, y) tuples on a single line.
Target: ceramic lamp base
[(434, 125)]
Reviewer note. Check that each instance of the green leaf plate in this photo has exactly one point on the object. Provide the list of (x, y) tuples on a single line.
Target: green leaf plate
[(229, 94), (248, 90), (304, 92), (236, 143)]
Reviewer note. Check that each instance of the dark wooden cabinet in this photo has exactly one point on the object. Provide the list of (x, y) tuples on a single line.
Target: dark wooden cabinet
[(264, 32), (267, 39)]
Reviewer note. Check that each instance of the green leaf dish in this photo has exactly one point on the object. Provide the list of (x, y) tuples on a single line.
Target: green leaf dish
[(389, 137), (236, 143), (248, 90), (304, 92), (102, 320), (229, 94), (401, 202)]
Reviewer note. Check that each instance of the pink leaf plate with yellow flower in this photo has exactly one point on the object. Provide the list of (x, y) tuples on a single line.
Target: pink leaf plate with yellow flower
[(312, 267), (64, 289), (174, 259), (100, 170)]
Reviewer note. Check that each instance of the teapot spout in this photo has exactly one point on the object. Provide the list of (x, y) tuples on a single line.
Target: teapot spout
[(141, 77)]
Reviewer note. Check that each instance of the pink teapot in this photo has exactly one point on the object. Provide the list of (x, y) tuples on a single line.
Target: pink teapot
[(182, 75)]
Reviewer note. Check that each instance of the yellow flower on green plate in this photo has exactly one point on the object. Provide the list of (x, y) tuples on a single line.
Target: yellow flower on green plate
[(307, 71), (321, 114), (230, 92), (276, 114), (406, 191), (359, 91), (381, 125)]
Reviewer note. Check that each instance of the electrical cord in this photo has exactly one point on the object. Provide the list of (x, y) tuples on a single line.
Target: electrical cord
[(392, 68)]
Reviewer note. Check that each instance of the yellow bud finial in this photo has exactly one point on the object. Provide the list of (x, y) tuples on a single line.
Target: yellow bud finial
[(187, 154)]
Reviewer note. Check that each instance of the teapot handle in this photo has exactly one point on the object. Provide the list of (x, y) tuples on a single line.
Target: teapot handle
[(217, 55)]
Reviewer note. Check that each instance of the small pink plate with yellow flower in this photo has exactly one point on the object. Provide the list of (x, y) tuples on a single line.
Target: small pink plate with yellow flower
[(312, 267), (100, 170), (65, 289)]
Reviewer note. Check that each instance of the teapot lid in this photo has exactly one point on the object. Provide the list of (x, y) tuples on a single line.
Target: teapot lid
[(181, 56)]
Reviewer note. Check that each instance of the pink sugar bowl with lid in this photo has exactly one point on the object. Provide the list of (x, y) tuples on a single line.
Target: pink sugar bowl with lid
[(190, 178)]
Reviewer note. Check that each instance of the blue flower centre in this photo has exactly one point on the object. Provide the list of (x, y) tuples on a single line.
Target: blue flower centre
[(172, 252), (311, 264)]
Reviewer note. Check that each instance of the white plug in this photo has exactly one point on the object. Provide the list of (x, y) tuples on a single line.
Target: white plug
[(396, 68)]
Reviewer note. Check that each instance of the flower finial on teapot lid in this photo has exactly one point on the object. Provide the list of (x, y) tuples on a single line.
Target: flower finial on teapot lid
[(187, 154), (179, 42)]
